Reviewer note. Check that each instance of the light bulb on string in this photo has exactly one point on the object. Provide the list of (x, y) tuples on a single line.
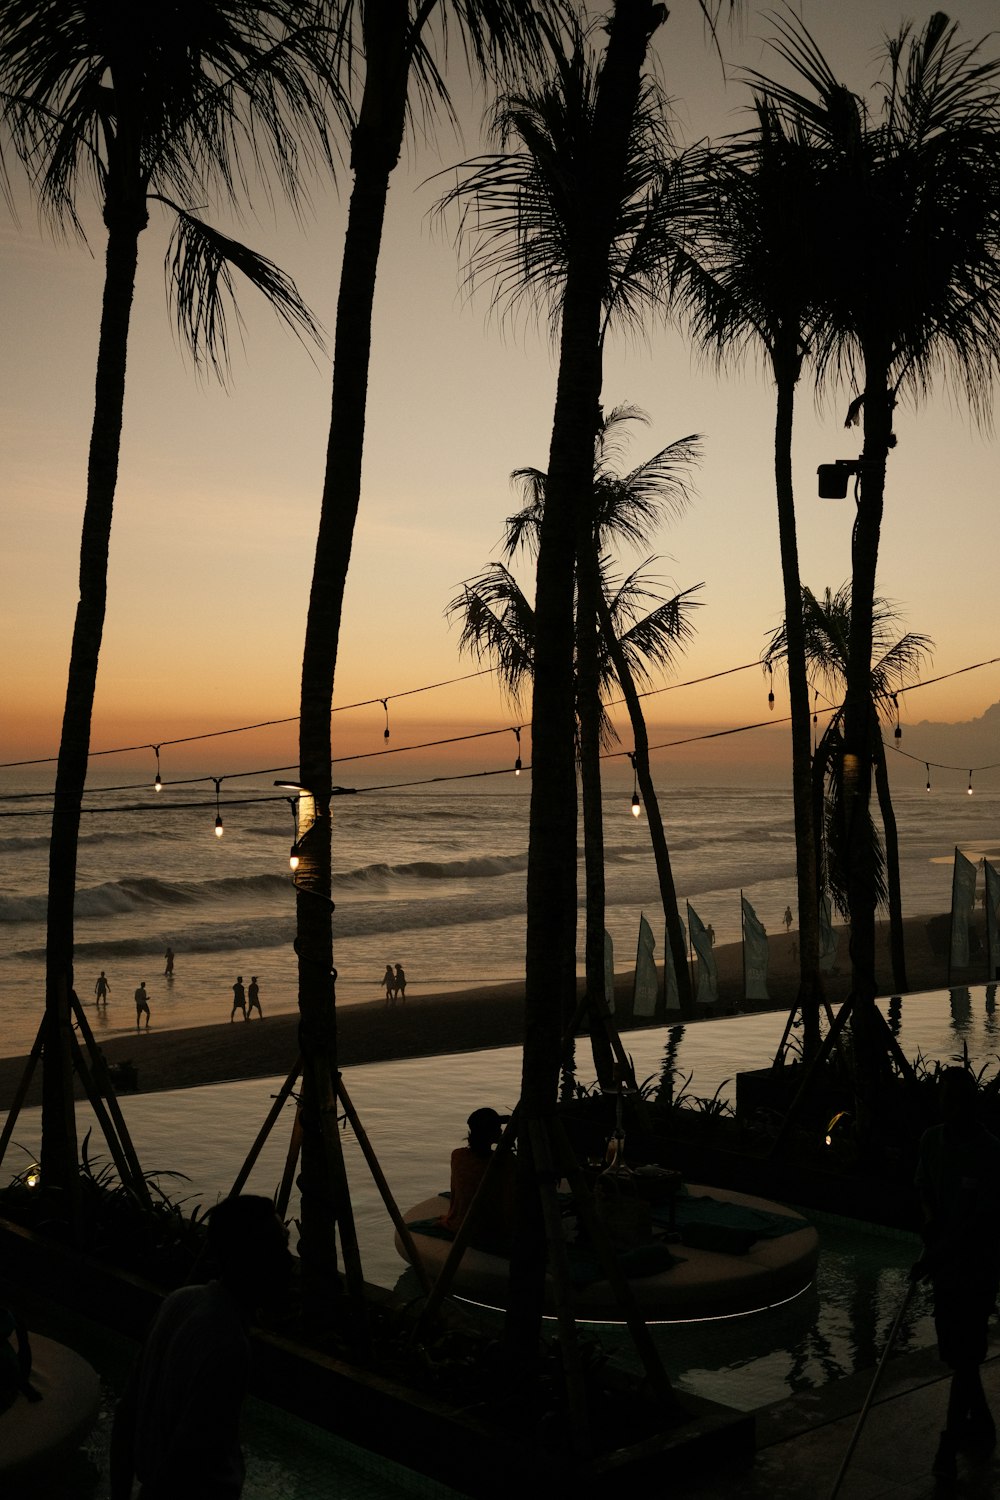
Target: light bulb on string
[(218, 810), (927, 768), (897, 733), (969, 787), (158, 783), (636, 804), (770, 691), (385, 704), (293, 853), (517, 761)]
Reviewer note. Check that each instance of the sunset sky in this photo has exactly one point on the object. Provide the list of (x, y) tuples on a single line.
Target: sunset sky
[(219, 491)]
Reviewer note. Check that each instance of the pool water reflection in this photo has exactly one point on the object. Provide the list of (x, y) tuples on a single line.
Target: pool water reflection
[(414, 1112)]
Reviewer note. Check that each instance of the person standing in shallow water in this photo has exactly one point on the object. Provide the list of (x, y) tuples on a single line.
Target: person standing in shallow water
[(102, 989), (239, 999), (400, 983), (141, 1005), (389, 984), (253, 997), (169, 960), (958, 1175)]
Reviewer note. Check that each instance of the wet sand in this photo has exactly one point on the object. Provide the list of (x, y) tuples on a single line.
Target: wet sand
[(431, 1025)]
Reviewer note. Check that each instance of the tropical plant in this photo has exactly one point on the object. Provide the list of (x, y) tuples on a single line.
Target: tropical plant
[(389, 48), (907, 288), (564, 212), (897, 661), (746, 286), (498, 624), (141, 105)]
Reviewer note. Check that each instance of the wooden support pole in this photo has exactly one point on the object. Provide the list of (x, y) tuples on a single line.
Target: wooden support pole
[(22, 1091), (105, 1089), (277, 1106)]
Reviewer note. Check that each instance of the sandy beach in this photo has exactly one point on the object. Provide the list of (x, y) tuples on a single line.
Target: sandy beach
[(428, 1025)]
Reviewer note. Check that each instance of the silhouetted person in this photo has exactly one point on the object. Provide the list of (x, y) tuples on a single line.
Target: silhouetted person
[(468, 1168), (389, 984), (710, 934), (176, 1428), (253, 998), (102, 989), (141, 1005), (958, 1174), (788, 919), (239, 999), (169, 959), (400, 983)]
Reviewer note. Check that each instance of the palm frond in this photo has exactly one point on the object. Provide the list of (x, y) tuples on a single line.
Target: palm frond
[(199, 266), (498, 625)]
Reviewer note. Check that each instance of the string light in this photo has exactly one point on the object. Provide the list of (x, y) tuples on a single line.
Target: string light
[(158, 783), (293, 853), (517, 762), (385, 704), (927, 768), (218, 810), (969, 787), (898, 731), (770, 693), (636, 805)]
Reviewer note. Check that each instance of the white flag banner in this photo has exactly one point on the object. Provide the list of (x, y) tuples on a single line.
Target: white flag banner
[(609, 971), (708, 975), (672, 1001), (992, 919), (754, 953), (647, 985), (828, 940), (963, 901)]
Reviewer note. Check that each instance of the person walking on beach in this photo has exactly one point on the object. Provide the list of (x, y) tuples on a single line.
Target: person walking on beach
[(176, 1428), (141, 1005), (239, 999), (400, 983), (169, 958), (102, 989), (958, 1175), (788, 919), (389, 984), (253, 997)]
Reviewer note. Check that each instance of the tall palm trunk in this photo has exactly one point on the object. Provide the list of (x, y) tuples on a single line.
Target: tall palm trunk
[(661, 853), (787, 364), (858, 711), (59, 1149), (588, 710), (375, 150), (551, 887), (897, 944)]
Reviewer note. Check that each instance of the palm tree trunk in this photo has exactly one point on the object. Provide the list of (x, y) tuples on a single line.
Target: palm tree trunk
[(374, 152), (551, 888), (588, 708), (858, 711), (661, 853), (59, 1148), (787, 364), (897, 946)]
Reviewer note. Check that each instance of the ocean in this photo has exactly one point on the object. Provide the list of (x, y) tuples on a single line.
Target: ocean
[(430, 878)]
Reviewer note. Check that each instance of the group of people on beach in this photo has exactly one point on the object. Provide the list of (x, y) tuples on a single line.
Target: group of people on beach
[(246, 1000), (102, 989), (394, 984)]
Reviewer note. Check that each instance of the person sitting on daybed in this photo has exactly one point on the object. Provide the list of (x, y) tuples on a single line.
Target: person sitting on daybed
[(468, 1168)]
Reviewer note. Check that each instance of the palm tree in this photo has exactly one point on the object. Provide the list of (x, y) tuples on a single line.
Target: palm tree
[(567, 209), (897, 661), (749, 284), (143, 104), (908, 287), (389, 45), (498, 623)]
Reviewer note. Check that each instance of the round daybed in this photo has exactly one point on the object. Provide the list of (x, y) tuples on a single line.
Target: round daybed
[(34, 1433), (762, 1254)]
